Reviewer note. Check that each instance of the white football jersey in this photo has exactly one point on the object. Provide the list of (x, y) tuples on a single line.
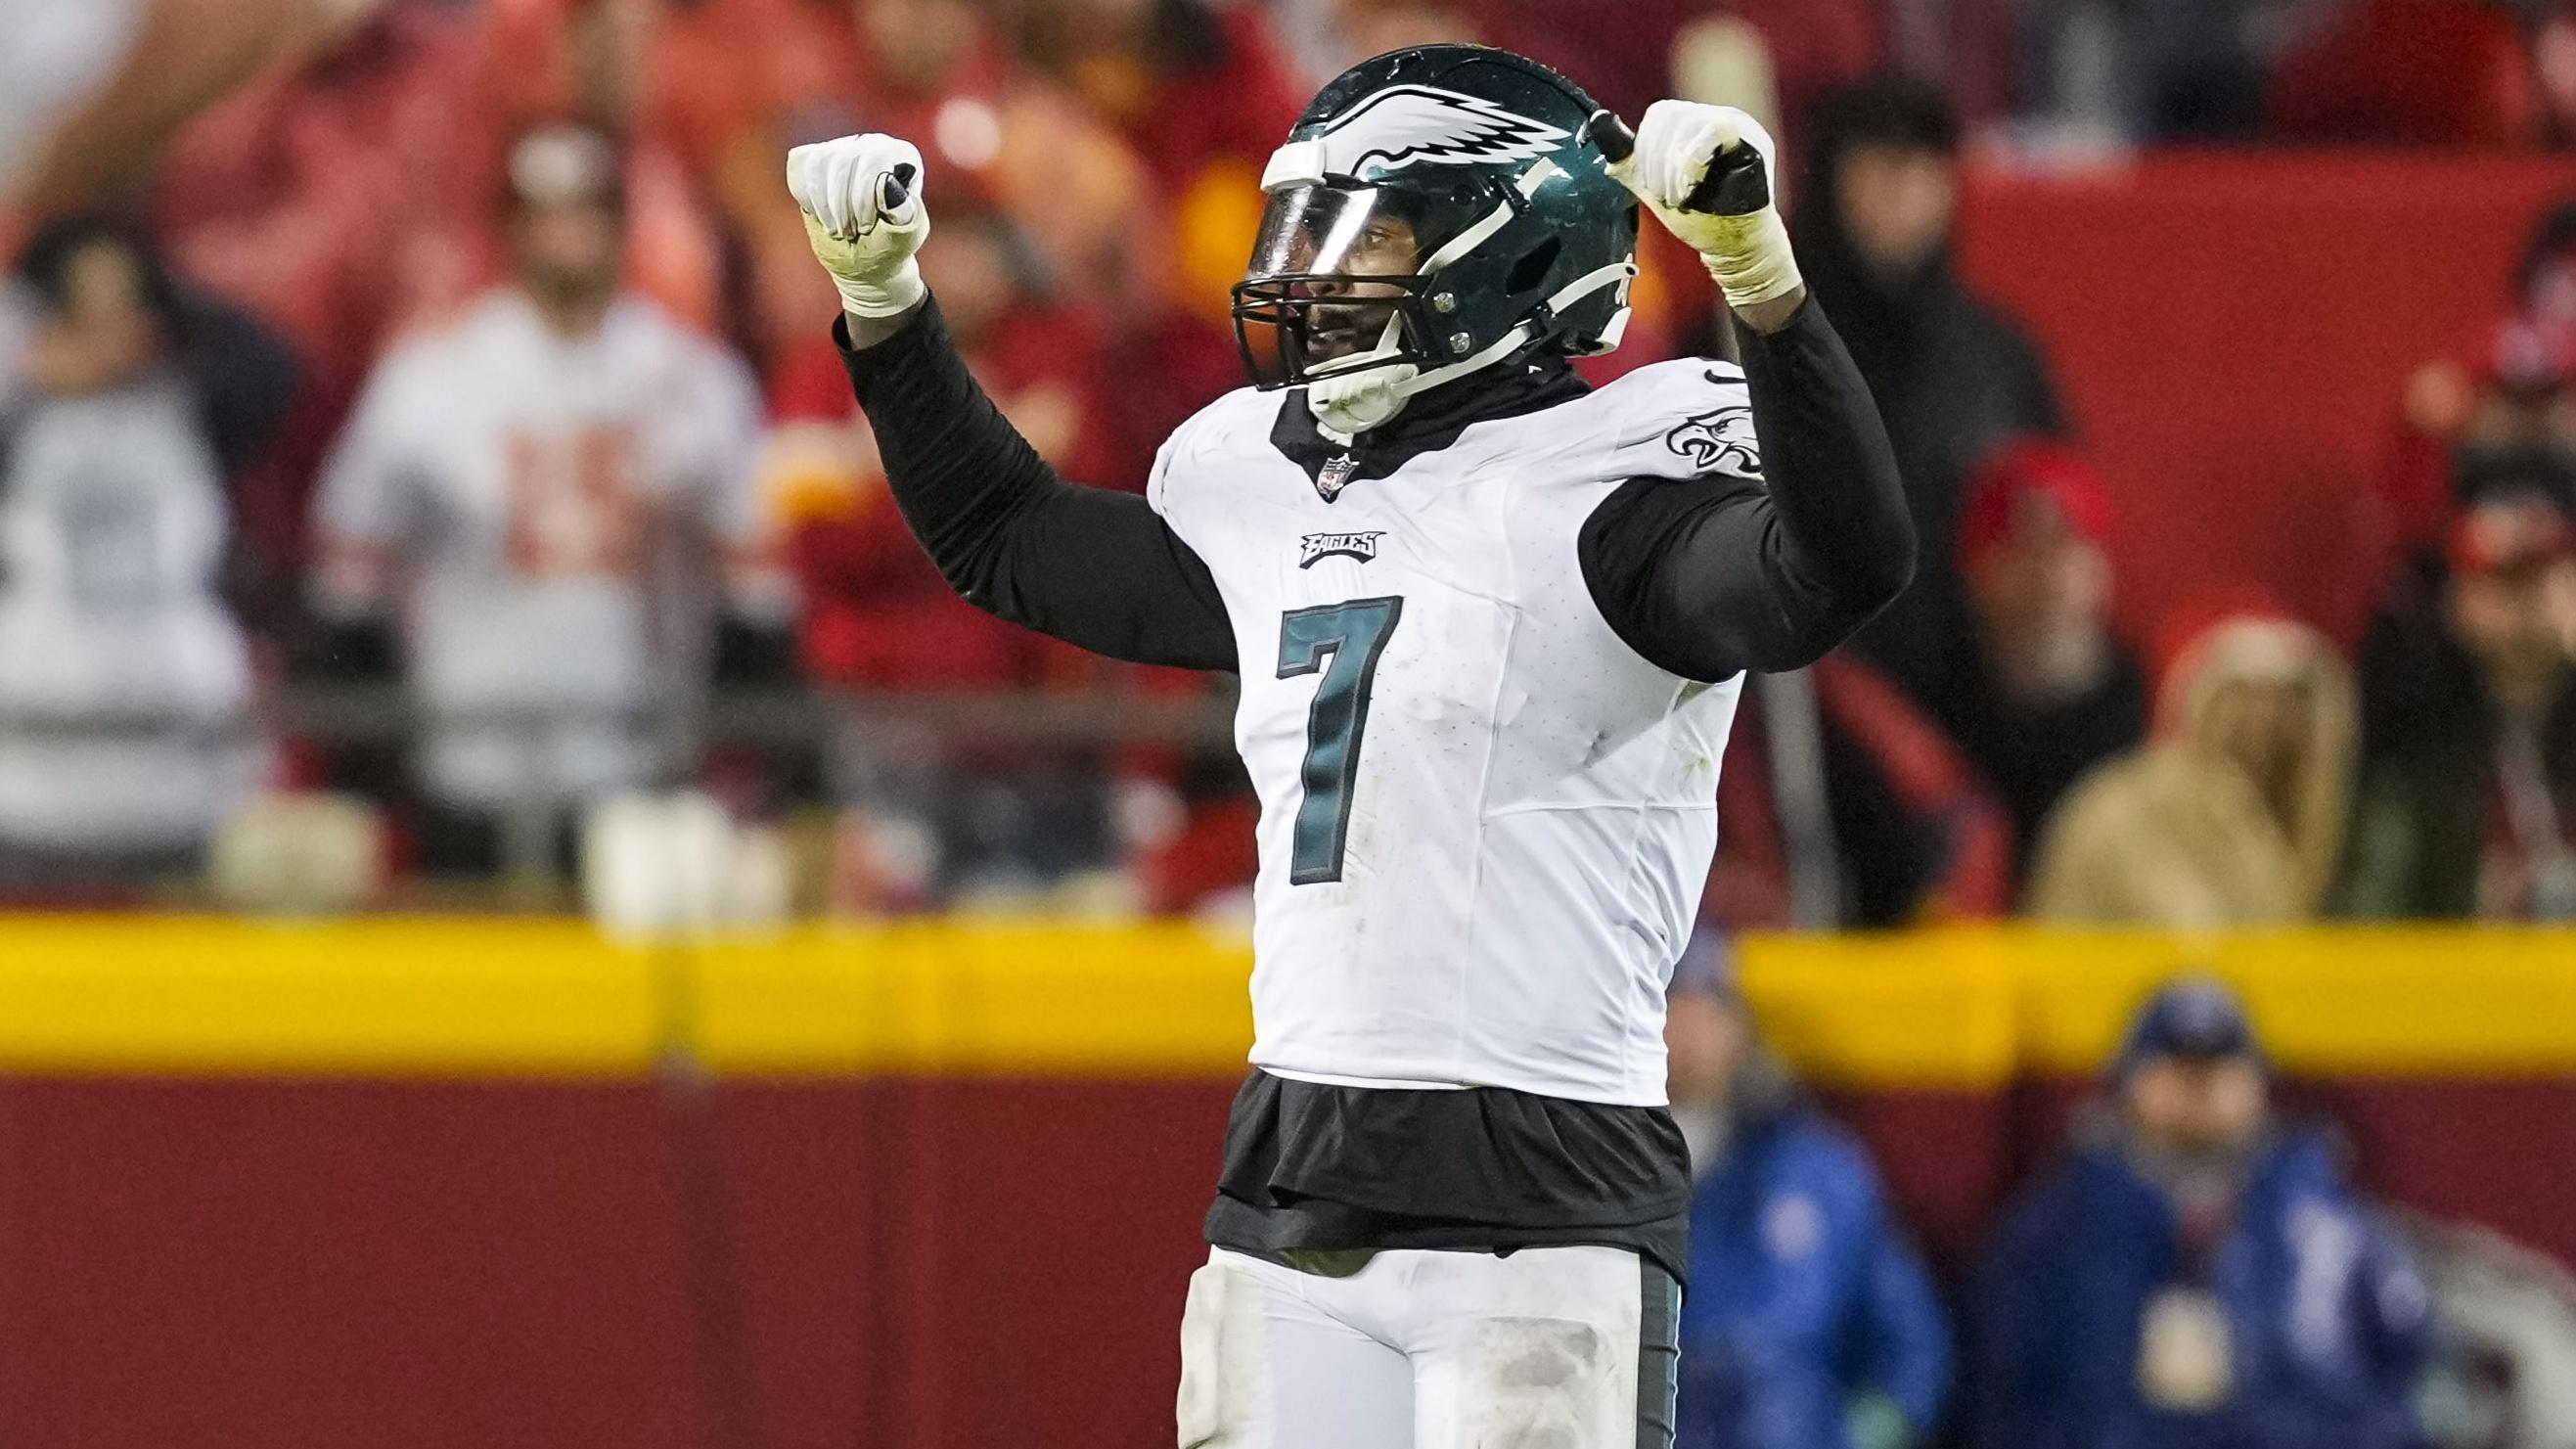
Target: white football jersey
[(529, 484), (1485, 820)]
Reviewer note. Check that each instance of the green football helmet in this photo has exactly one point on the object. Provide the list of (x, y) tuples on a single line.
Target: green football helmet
[(1436, 211)]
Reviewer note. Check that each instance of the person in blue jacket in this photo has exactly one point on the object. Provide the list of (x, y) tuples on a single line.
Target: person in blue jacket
[(1809, 1322), (2198, 1274)]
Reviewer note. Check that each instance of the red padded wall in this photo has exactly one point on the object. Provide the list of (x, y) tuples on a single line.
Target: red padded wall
[(913, 1264), (2233, 331), (344, 1263)]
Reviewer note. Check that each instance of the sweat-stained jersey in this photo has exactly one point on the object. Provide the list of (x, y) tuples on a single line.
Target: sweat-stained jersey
[(1485, 820), (528, 487)]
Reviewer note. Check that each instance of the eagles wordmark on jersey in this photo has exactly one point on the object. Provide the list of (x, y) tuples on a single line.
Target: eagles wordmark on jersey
[(1490, 625)]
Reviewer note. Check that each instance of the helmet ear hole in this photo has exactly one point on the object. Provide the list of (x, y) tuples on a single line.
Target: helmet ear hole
[(1532, 269)]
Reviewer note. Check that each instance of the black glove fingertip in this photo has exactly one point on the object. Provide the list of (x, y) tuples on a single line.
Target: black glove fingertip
[(1737, 184), (1610, 136)]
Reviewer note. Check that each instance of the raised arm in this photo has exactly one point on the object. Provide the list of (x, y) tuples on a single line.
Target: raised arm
[(1712, 576), (1091, 567)]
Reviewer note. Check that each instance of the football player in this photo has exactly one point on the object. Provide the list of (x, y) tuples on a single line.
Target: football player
[(1490, 626)]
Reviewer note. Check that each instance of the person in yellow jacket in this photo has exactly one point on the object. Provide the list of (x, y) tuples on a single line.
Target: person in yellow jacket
[(2233, 812)]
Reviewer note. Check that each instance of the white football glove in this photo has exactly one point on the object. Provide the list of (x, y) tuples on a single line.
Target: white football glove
[(861, 196), (1677, 144)]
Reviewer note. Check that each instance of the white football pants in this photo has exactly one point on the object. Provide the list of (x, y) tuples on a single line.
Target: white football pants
[(1547, 1348)]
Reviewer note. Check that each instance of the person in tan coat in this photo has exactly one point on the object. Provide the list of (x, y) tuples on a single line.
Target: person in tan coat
[(2233, 812)]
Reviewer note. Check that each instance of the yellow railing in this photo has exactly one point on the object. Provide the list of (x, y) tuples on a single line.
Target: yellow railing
[(1961, 1008)]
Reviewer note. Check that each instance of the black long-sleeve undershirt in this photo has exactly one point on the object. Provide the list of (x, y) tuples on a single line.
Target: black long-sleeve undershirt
[(1705, 577), (1089, 566), (1712, 576)]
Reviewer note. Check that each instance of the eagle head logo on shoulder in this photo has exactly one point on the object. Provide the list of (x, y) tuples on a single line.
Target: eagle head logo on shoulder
[(1405, 126), (1719, 441)]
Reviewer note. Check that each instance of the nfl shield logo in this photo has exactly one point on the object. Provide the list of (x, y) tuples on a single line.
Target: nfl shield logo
[(1335, 475)]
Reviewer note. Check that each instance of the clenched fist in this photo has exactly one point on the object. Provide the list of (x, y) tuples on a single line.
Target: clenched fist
[(1706, 173), (861, 196)]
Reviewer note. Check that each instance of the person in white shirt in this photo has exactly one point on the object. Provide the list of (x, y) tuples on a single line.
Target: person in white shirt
[(538, 490), (125, 680)]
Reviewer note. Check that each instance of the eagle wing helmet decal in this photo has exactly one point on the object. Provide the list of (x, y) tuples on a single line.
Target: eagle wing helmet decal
[(1411, 125)]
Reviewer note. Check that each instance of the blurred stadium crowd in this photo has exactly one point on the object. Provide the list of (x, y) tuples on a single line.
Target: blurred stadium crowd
[(409, 409), (2197, 1268), (423, 468)]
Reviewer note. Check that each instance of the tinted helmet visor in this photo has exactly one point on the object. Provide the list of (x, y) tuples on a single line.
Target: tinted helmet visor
[(1334, 283)]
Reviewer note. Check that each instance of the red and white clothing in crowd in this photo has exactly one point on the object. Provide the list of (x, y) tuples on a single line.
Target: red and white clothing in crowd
[(1846, 807), (529, 499), (877, 612)]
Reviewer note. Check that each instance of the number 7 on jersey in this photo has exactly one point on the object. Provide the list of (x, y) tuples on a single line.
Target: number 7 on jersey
[(1351, 636)]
